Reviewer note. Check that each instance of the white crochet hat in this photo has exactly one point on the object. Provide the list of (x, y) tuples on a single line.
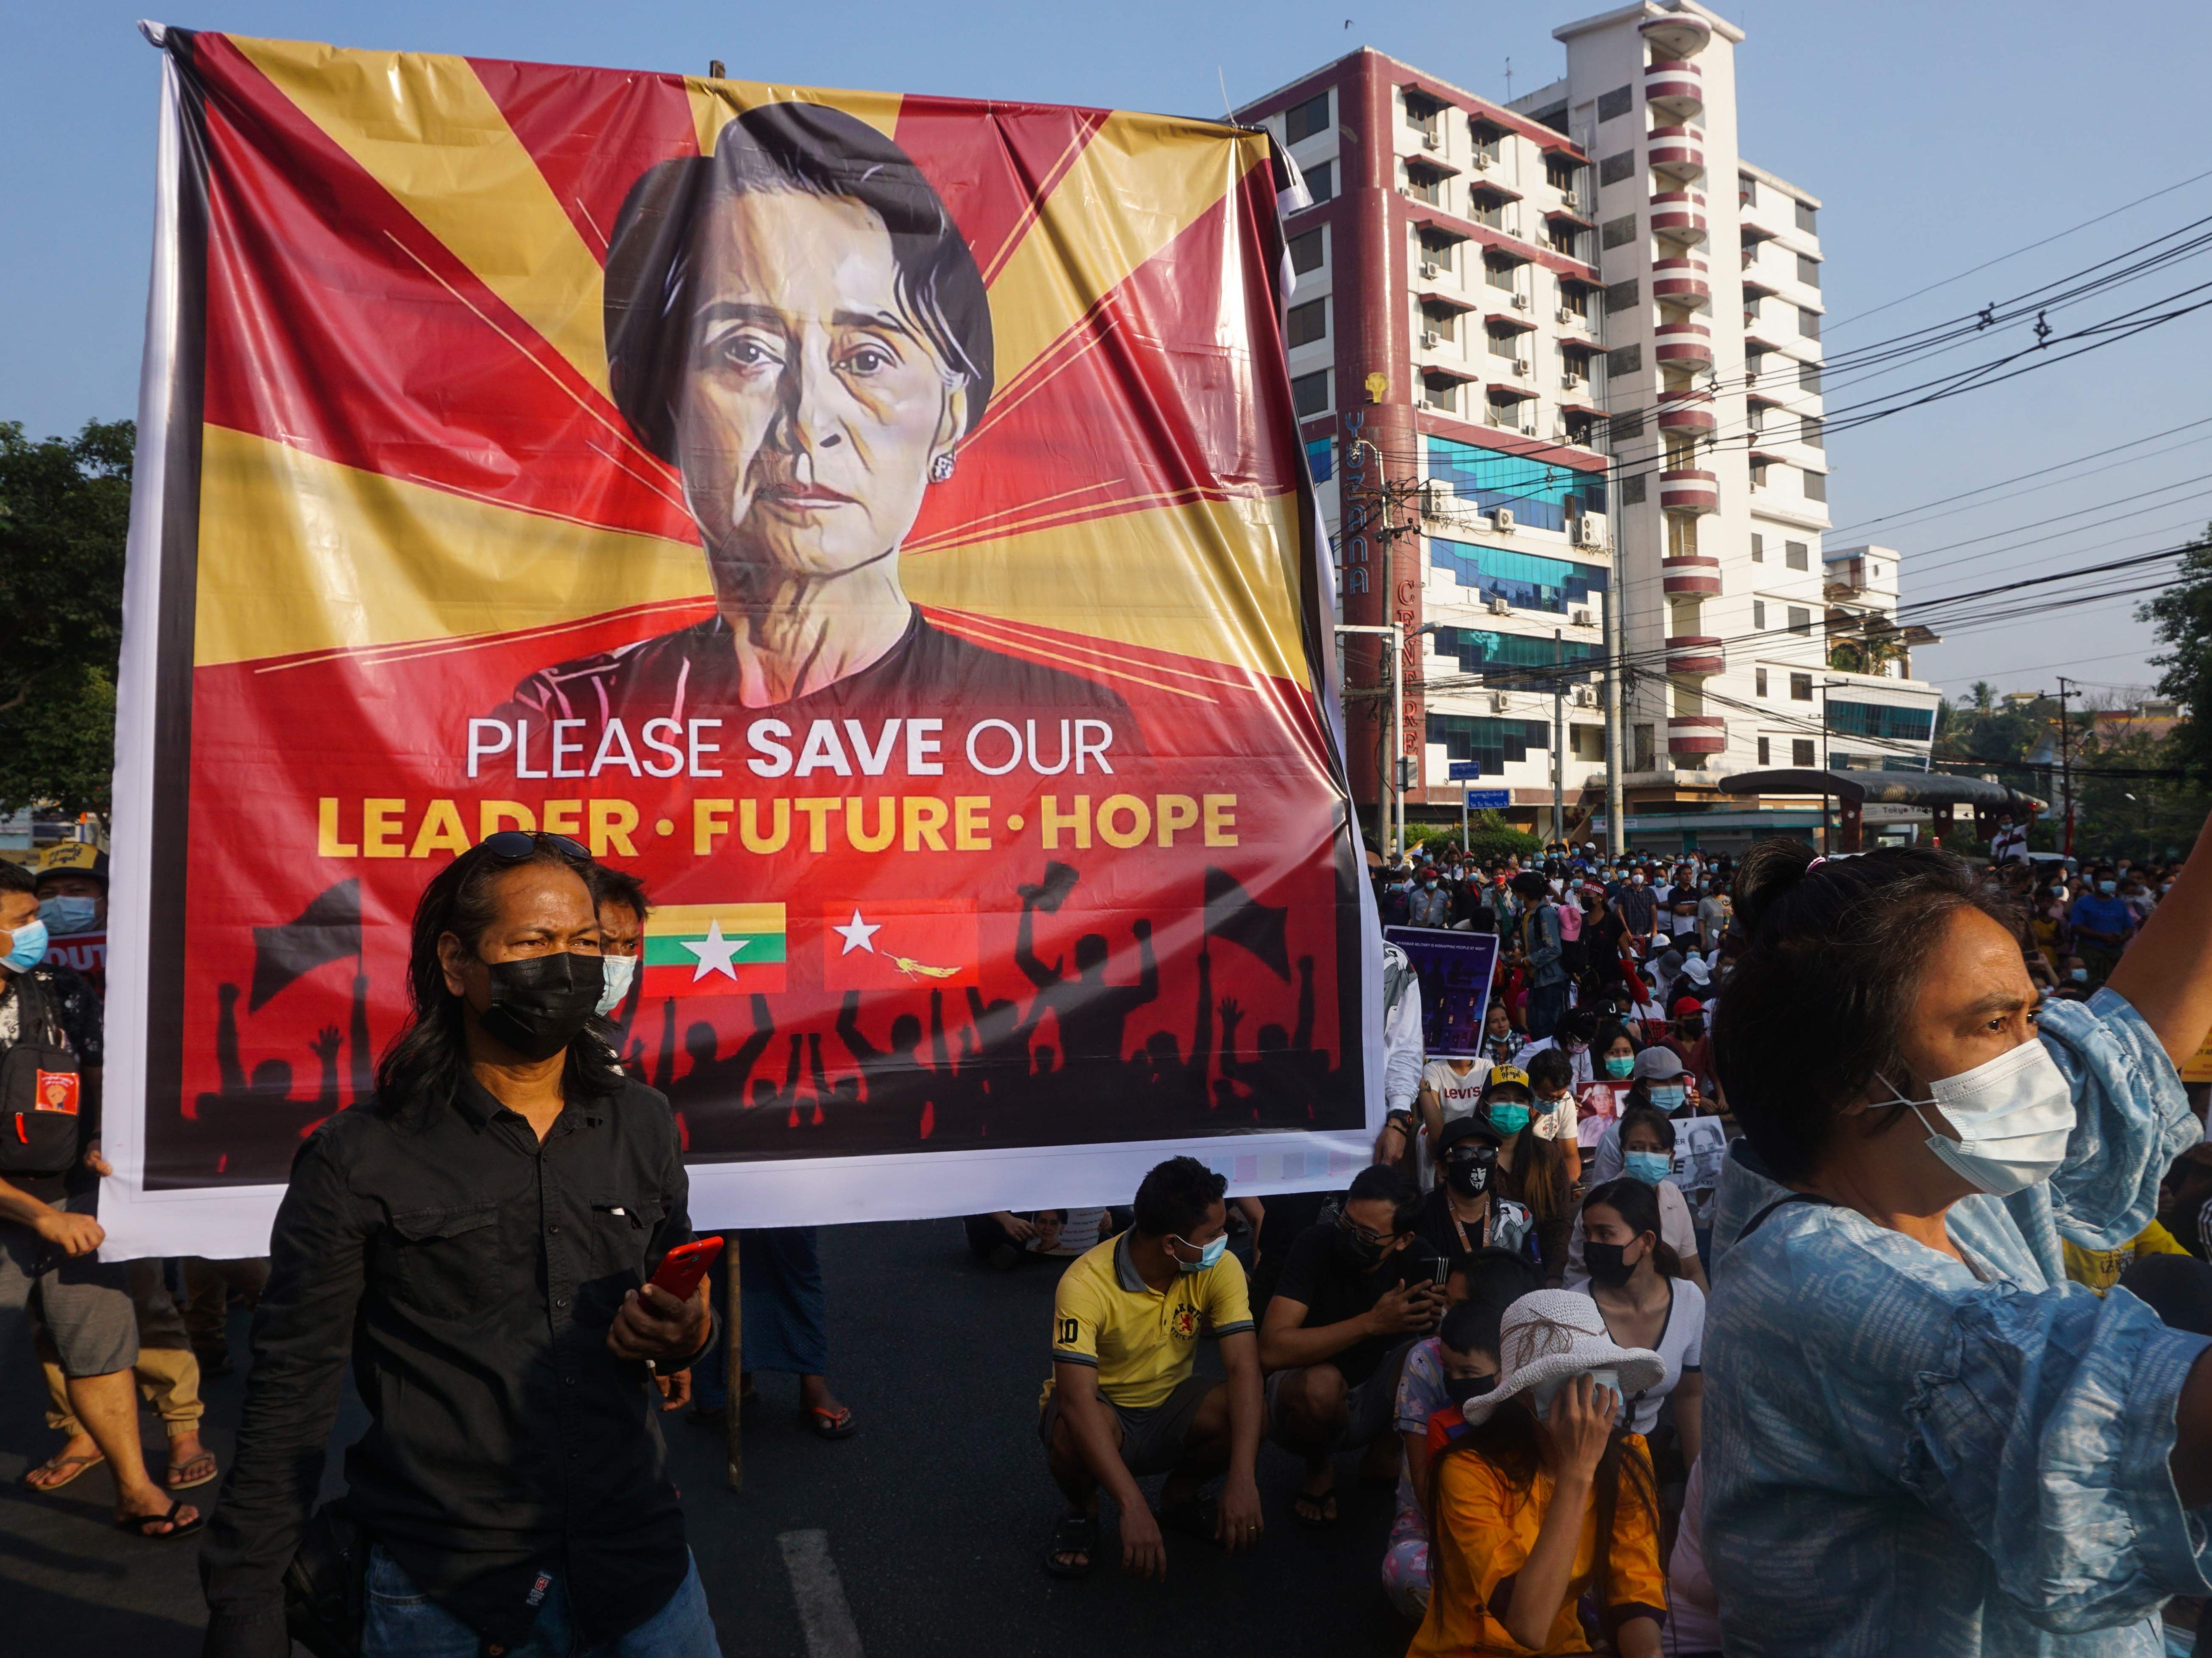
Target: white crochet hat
[(1552, 1333)]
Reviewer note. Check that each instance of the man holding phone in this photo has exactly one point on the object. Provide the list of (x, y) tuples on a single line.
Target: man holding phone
[(477, 1239), (1355, 1293)]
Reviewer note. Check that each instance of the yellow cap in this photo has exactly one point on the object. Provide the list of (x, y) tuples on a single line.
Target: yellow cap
[(1505, 1074)]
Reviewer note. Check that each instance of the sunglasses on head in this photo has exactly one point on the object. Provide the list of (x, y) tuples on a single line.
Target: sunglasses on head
[(512, 846)]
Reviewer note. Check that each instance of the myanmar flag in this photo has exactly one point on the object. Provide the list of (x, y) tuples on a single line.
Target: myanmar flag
[(714, 949), (896, 943)]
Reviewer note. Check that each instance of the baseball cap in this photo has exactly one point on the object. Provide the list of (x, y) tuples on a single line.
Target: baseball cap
[(1655, 1065), (75, 857), (1684, 1005)]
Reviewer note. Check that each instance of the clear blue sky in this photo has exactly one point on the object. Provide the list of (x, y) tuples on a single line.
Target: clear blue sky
[(1938, 136)]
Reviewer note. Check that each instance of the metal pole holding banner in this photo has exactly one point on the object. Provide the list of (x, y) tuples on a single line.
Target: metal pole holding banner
[(1395, 783), (733, 1369), (1558, 738)]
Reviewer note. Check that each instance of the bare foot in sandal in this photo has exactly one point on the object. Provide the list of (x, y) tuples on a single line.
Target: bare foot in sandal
[(79, 1456), (191, 1463)]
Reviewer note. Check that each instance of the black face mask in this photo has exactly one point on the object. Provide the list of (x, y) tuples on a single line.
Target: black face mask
[(1605, 1265), (540, 1004), (1460, 1388), (1360, 1250), (1469, 1177)]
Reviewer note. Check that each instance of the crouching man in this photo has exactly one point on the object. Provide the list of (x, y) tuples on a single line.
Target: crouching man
[(1122, 1401)]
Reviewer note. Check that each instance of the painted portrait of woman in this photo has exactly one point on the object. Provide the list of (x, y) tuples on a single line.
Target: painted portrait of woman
[(796, 323)]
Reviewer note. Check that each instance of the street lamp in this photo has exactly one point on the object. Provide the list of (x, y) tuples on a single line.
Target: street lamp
[(1399, 639)]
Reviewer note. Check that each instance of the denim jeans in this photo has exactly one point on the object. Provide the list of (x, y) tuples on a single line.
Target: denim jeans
[(402, 1622)]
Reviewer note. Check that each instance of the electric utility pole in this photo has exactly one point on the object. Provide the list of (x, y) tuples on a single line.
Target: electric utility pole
[(2066, 759)]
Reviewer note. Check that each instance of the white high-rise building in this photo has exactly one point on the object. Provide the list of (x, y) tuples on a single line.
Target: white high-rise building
[(1481, 283)]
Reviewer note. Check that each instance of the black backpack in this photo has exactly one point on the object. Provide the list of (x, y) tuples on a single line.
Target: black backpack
[(41, 1091)]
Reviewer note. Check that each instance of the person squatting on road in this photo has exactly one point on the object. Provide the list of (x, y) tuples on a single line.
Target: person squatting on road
[(476, 1240)]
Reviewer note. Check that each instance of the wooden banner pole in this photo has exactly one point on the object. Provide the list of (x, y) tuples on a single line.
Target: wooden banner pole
[(733, 1367)]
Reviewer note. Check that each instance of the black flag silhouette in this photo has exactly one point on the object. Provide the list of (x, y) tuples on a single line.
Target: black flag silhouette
[(328, 928), (1233, 914)]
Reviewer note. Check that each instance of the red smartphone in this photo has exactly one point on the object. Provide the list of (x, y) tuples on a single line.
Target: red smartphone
[(682, 1267)]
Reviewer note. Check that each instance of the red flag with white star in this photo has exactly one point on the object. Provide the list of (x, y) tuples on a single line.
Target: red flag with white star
[(885, 944)]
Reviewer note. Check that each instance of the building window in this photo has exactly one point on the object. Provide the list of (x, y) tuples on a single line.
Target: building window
[(1631, 489), (1746, 191), (1425, 184), (1618, 233), (1439, 392), (1443, 325), (1758, 548), (1528, 581), (1808, 322), (1757, 675), (1797, 555), (1614, 169), (1505, 342), (1589, 741), (1309, 251), (1808, 377), (1801, 753), (1765, 752), (1499, 273), (1809, 431), (1758, 475), (1574, 299), (1310, 394), (1805, 219), (1800, 687), (1321, 459), (1626, 428), (1320, 181), (1808, 271), (1623, 359), (1612, 106), (1486, 209), (1882, 720), (1622, 296), (1816, 486), (1759, 617), (1496, 744), (1307, 323), (1421, 113), (1302, 121), (1559, 171), (1754, 363), (1646, 748), (1801, 619)]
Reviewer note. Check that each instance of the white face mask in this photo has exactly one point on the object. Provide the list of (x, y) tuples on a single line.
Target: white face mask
[(617, 971), (2014, 1115)]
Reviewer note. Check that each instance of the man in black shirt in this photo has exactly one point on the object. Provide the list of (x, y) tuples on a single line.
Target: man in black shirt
[(47, 1233), (477, 1237), (1353, 1297)]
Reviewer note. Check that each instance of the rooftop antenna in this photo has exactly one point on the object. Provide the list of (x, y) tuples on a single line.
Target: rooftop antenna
[(1509, 80)]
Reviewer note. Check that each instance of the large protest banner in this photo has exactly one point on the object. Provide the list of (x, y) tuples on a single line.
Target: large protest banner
[(878, 522)]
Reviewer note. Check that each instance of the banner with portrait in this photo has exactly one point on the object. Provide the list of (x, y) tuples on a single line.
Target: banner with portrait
[(877, 522)]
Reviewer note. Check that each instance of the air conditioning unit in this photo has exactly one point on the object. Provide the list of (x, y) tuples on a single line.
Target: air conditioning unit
[(1569, 319), (1484, 160), (1431, 269), (1431, 141), (1569, 199), (1500, 607), (1502, 521), (1589, 529), (1521, 365), (1500, 703), (1520, 302), (1528, 429), (1585, 697), (1570, 380), (1430, 339), (1582, 619), (1432, 500)]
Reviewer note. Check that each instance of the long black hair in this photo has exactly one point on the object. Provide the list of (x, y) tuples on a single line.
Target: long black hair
[(1638, 1205), (426, 1062), (1819, 1001)]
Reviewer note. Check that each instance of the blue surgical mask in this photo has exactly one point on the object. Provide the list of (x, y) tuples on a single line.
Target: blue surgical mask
[(1208, 1254), (2079, 974), (1667, 1096), (617, 971), (1508, 1116), (30, 948), (64, 916), (1649, 1167), (2105, 888)]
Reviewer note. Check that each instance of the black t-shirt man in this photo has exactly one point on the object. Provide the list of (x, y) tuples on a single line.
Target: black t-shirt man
[(77, 1017), (1333, 1288)]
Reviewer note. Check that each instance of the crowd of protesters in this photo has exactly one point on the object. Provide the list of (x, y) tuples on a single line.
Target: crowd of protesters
[(1576, 1309)]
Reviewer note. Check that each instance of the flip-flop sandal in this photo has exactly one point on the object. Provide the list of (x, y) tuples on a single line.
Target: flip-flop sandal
[(172, 1480), (69, 1469), (1196, 1518), (830, 1425), (140, 1525), (1075, 1533), (1324, 1504)]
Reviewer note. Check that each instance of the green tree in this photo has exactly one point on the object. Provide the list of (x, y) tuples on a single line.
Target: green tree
[(2182, 618), (1984, 696), (65, 512)]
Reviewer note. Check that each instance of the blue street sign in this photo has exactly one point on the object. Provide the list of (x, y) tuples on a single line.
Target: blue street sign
[(1463, 770), (1489, 799)]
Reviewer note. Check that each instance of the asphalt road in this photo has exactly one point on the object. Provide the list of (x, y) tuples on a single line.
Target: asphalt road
[(934, 1517)]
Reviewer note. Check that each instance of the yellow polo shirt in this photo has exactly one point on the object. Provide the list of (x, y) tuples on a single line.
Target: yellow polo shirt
[(1141, 1341)]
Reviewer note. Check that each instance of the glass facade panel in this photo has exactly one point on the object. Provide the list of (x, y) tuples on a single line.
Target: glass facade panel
[(1528, 581), (1882, 720), (1534, 491), (1477, 650), (1496, 744), (1321, 459)]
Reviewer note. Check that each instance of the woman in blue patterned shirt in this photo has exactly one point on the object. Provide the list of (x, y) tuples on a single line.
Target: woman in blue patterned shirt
[(1919, 1437)]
